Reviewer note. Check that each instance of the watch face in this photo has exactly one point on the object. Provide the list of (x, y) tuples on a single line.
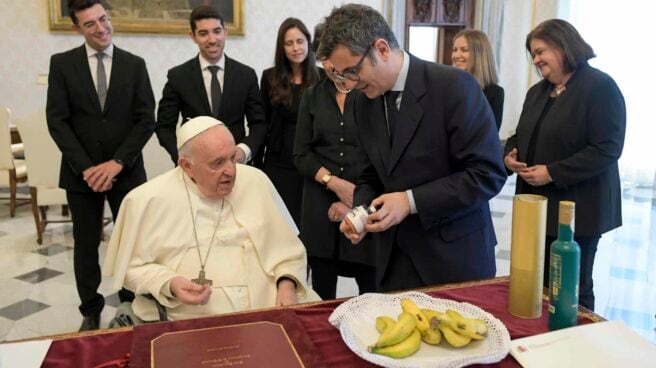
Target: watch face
[(326, 178)]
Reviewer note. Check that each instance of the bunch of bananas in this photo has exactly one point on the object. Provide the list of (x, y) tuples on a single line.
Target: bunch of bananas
[(402, 338)]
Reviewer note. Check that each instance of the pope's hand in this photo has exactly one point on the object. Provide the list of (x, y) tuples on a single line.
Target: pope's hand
[(188, 292), (286, 293)]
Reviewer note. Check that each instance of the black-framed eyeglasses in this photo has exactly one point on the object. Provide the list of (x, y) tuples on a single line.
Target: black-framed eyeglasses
[(351, 73)]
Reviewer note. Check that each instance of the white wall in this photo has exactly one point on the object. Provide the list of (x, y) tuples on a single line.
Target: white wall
[(516, 71), (27, 43)]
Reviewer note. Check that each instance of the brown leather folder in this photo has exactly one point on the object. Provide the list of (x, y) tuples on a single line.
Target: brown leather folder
[(189, 343), (249, 345)]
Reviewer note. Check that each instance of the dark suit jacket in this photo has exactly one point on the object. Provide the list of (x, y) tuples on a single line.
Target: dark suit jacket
[(184, 94), (88, 136), (580, 140), (446, 149)]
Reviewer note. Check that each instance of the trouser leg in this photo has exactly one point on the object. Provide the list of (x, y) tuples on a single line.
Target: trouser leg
[(115, 198), (588, 246), (87, 212), (324, 276)]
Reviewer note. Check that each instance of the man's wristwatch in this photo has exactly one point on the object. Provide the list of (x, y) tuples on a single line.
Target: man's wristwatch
[(120, 162), (326, 178)]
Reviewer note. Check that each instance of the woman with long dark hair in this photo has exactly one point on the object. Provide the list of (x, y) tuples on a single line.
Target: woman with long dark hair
[(282, 85)]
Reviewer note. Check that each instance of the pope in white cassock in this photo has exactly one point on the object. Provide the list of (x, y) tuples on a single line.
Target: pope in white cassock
[(204, 239)]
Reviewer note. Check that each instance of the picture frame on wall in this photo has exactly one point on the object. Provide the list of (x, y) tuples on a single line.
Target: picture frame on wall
[(145, 16)]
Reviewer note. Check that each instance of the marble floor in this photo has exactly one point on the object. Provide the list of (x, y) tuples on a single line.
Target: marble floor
[(38, 297)]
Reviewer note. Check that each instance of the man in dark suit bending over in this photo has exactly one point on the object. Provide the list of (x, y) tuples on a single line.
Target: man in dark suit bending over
[(212, 84), (100, 113), (430, 159)]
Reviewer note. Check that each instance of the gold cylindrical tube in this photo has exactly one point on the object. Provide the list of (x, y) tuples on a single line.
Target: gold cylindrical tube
[(529, 223)]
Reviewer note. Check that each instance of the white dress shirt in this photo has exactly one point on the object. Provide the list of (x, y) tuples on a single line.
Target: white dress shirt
[(399, 85), (93, 63), (207, 80)]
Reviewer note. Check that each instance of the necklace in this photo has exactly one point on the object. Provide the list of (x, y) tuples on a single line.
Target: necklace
[(345, 91), (559, 89), (201, 280)]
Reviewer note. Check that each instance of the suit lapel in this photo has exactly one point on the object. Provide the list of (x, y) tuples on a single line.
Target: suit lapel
[(542, 98), (198, 85), (82, 66), (410, 113), (229, 80)]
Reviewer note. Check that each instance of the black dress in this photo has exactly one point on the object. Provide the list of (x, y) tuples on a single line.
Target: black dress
[(326, 137), (277, 160), (494, 94)]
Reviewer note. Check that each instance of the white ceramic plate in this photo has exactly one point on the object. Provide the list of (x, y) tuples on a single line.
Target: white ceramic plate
[(356, 321)]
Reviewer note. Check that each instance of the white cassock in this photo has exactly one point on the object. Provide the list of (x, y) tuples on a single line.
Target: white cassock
[(255, 244)]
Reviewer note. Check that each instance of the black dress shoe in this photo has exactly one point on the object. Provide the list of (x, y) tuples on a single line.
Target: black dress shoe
[(91, 322)]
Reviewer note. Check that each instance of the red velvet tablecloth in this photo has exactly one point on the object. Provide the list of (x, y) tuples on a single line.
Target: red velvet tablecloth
[(490, 295)]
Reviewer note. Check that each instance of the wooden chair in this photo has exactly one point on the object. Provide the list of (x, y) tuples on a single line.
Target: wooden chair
[(43, 160), (12, 171)]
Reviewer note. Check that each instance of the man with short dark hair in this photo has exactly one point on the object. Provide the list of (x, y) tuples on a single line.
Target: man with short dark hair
[(212, 84), (431, 155), (100, 113)]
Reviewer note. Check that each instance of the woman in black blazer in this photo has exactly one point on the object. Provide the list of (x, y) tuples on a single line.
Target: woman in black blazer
[(325, 155), (281, 88), (568, 140), (472, 53)]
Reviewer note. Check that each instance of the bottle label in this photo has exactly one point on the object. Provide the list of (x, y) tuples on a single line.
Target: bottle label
[(357, 217), (556, 273)]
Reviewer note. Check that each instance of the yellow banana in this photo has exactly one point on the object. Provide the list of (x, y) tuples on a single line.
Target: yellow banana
[(453, 338), (431, 313), (384, 322), (401, 330), (431, 336), (410, 307), (471, 327), (403, 349)]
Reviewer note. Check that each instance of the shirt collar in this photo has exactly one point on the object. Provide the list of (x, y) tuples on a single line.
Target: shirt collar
[(399, 85), (204, 63), (109, 51)]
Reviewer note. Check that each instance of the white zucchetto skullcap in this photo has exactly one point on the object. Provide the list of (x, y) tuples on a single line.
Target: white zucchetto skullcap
[(194, 127)]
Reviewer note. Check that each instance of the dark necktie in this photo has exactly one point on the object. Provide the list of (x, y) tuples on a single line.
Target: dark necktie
[(101, 80), (392, 111), (215, 90)]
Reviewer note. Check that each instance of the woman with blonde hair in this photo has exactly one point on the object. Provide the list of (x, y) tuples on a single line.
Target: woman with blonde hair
[(472, 52)]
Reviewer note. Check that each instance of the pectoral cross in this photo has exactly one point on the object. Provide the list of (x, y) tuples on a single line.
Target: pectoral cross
[(201, 280)]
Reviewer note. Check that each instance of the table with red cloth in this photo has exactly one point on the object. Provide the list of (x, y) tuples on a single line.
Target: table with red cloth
[(325, 348)]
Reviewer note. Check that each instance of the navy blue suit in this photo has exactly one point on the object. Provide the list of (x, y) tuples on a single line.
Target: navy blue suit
[(446, 149)]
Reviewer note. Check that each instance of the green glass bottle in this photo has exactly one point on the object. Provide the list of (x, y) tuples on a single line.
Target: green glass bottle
[(565, 263)]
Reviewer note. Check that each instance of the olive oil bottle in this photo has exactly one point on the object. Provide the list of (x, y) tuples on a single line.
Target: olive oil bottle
[(565, 263)]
